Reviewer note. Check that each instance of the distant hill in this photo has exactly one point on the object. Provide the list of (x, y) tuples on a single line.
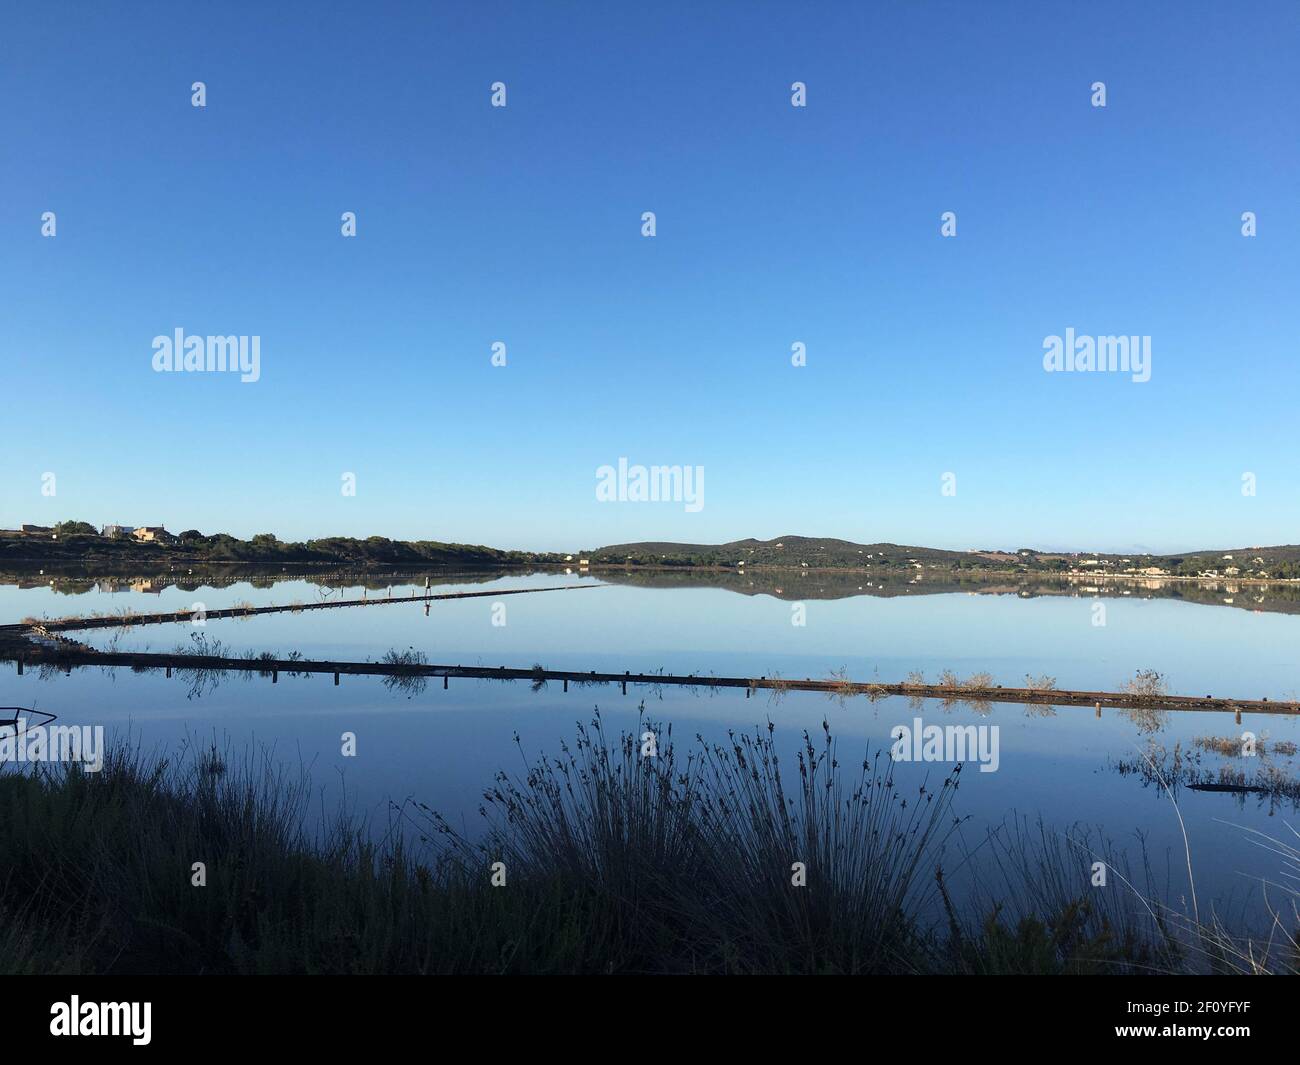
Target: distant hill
[(822, 552), (70, 542), (1280, 562)]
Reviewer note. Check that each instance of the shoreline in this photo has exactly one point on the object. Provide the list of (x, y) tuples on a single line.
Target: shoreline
[(112, 566)]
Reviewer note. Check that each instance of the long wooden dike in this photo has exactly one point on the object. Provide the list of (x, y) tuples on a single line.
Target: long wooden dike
[(66, 655), (42, 645), (131, 620)]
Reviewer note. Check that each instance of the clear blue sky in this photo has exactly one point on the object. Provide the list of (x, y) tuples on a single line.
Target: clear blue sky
[(775, 225)]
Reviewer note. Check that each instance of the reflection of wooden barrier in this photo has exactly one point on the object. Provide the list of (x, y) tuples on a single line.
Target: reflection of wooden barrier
[(77, 655)]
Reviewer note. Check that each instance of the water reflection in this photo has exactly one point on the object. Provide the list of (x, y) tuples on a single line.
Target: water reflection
[(443, 745)]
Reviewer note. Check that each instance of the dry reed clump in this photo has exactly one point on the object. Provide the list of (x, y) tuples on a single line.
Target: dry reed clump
[(410, 684), (539, 677), (778, 686), (1146, 683), (1239, 746), (202, 678), (1041, 683), (843, 688), (126, 618), (1271, 786), (976, 682)]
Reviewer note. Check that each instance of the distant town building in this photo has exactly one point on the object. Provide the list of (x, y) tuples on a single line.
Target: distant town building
[(35, 530), (152, 534), (114, 532)]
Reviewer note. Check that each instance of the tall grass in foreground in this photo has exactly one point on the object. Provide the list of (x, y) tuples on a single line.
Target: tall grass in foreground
[(614, 860), (701, 856), (1219, 947), (1032, 907)]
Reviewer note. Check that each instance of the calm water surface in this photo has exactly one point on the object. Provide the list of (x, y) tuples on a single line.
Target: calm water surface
[(442, 747)]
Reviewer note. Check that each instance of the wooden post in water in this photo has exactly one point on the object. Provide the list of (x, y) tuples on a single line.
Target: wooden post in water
[(169, 672), (20, 667), (275, 676), (444, 682), (566, 679), (336, 680), (1099, 709), (1238, 717)]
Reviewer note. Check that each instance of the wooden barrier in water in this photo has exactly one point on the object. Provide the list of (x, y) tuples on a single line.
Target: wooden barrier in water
[(78, 655), (123, 621)]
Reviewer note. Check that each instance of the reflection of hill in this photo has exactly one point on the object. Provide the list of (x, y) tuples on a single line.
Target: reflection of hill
[(79, 579), (787, 584), (823, 584)]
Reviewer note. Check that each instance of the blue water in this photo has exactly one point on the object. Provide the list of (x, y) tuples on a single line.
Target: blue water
[(442, 747)]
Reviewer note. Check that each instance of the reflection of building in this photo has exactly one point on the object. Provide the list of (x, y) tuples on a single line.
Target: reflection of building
[(149, 585)]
